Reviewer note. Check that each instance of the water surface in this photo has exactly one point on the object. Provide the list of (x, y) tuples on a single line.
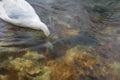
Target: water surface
[(72, 22)]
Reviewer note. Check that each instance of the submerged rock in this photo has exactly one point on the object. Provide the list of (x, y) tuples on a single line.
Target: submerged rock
[(33, 55), (30, 66), (79, 63)]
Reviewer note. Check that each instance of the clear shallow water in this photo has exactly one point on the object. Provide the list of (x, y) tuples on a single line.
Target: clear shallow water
[(86, 32), (75, 22)]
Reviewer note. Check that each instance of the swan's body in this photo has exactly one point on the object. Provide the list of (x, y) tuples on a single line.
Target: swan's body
[(21, 13)]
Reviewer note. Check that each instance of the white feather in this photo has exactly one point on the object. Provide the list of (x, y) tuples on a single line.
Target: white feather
[(21, 13)]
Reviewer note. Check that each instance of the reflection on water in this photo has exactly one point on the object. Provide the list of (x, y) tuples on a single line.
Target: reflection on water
[(88, 23), (72, 23)]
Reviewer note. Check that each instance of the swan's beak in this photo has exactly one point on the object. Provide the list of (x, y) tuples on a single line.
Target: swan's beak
[(45, 29)]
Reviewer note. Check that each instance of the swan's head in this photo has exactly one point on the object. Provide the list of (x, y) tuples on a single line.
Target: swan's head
[(43, 27)]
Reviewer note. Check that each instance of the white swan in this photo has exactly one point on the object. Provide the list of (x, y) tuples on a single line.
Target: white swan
[(21, 13)]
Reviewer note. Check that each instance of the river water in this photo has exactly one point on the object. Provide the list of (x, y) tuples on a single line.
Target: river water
[(71, 22)]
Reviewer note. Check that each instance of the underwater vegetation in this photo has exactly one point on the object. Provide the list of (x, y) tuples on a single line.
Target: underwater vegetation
[(85, 43), (79, 63)]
